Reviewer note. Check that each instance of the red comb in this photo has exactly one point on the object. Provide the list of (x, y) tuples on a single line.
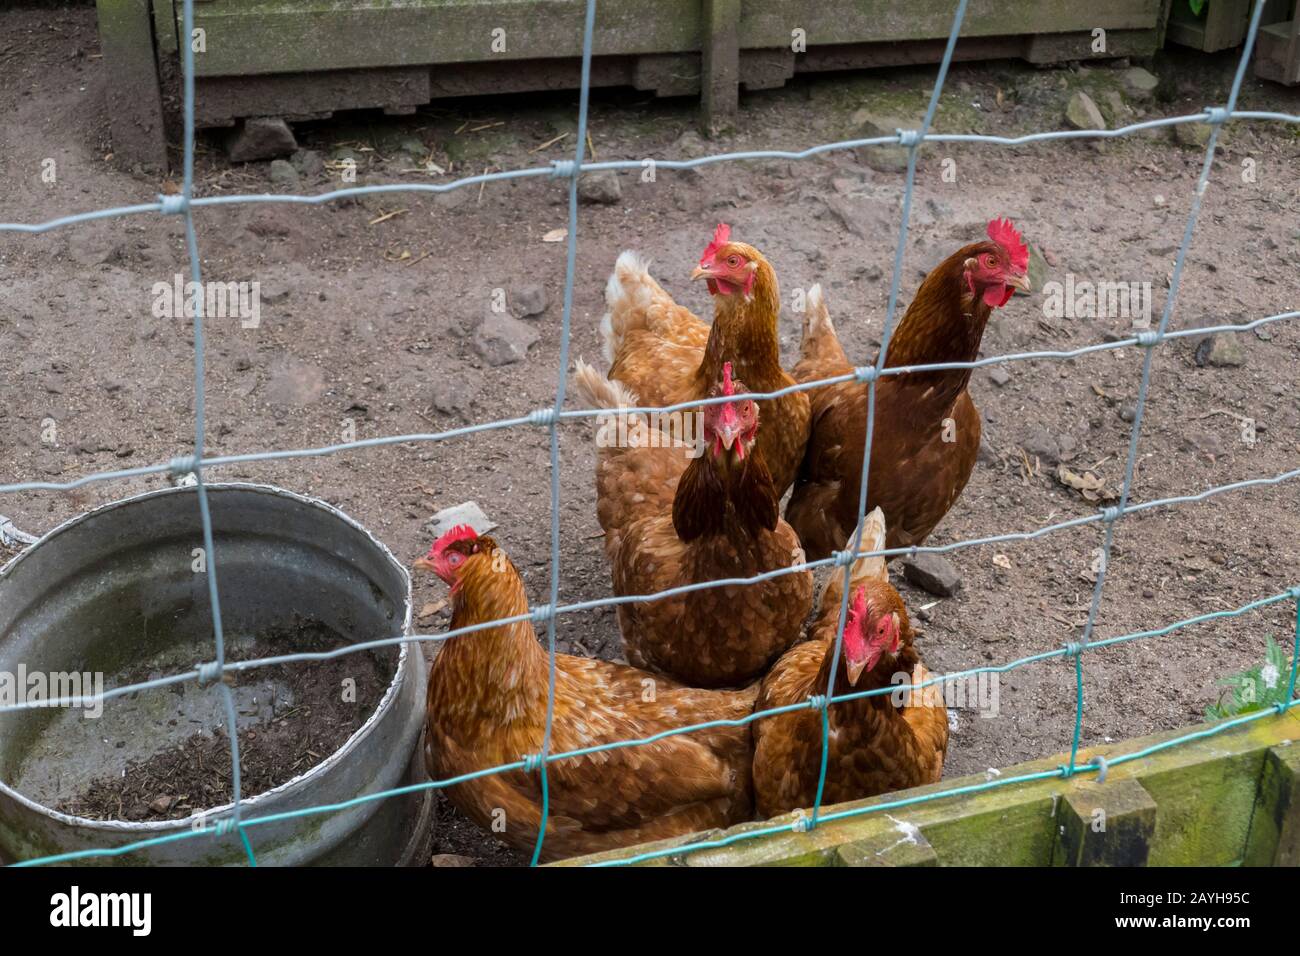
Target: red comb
[(720, 237), (1004, 234), (728, 386), (459, 533), (859, 607)]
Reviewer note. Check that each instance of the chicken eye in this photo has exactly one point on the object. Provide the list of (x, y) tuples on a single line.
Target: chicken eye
[(454, 558), (733, 261), (990, 261)]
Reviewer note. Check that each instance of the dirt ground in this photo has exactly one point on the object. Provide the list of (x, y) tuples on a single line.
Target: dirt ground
[(372, 321)]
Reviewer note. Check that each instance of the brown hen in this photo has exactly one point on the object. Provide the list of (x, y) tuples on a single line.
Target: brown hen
[(672, 520), (665, 355), (876, 744), (927, 430), (487, 706)]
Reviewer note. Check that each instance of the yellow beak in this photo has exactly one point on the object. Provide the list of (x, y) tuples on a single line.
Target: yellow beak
[(1020, 282)]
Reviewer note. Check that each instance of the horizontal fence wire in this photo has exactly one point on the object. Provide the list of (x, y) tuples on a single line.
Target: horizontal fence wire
[(230, 820)]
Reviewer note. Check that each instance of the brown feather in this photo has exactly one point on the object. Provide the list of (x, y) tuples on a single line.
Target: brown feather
[(487, 706), (874, 746), (927, 430), (666, 355), (723, 522)]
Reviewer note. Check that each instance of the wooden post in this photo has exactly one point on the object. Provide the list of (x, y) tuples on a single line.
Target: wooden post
[(1275, 825), (720, 64), (1105, 824), (134, 103)]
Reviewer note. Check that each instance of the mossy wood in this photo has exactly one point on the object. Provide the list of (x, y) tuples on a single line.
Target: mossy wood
[(1228, 799)]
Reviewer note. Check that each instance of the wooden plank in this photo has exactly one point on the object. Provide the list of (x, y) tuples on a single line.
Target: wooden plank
[(903, 847), (1277, 55), (1060, 47), (1204, 791), (767, 23), (286, 36), (263, 36), (1275, 825), (720, 73), (1105, 824), (134, 102)]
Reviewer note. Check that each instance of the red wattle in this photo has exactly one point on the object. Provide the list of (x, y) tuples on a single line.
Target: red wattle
[(997, 296)]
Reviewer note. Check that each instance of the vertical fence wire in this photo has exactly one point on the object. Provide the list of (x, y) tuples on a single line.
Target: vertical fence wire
[(1150, 341), (913, 140), (200, 411), (570, 271)]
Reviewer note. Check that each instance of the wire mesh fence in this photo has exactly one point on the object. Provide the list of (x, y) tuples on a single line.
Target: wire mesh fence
[(243, 827)]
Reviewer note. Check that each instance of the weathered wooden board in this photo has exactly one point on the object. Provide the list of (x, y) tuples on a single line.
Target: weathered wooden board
[(134, 102), (1221, 800)]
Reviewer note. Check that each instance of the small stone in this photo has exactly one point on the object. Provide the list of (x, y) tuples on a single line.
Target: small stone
[(454, 394), (413, 147), (271, 223), (1082, 113), (308, 162), (467, 512), (452, 199), (283, 174), (868, 124), (502, 339), (600, 188), (1148, 593), (430, 609), (932, 572), (1127, 413), (1139, 82), (1041, 444), (987, 454), (529, 299), (1068, 445), (1115, 103), (1207, 443), (272, 292), (124, 451), (260, 137), (689, 144), (1221, 351), (1192, 134), (999, 376)]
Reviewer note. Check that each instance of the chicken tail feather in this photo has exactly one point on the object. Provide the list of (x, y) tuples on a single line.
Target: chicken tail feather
[(873, 539), (819, 343), (597, 391), (627, 295)]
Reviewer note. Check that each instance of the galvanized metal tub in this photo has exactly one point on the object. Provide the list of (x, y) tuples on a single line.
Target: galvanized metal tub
[(116, 586)]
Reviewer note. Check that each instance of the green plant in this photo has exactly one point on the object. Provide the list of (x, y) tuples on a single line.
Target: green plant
[(1197, 6), (1259, 688)]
